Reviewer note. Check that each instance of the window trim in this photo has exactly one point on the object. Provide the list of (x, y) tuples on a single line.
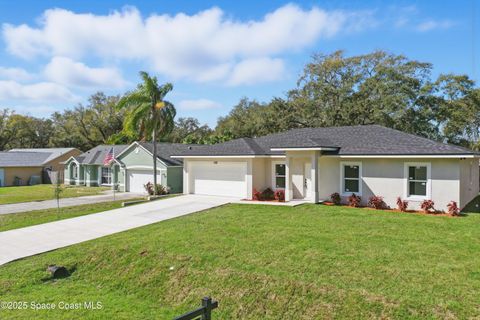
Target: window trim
[(111, 176), (428, 188), (274, 175), (342, 178)]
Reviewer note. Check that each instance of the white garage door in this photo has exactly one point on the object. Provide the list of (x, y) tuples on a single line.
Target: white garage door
[(138, 178), (219, 178)]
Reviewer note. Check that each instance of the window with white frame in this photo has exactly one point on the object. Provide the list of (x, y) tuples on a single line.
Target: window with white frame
[(351, 178), (418, 179), (106, 175), (279, 175)]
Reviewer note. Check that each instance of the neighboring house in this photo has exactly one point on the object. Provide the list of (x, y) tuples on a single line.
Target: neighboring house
[(31, 166), (313, 163), (131, 169)]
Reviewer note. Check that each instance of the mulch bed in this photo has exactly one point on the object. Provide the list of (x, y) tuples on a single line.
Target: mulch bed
[(436, 214)]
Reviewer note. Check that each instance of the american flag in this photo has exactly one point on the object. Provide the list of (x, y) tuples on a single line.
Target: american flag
[(108, 158)]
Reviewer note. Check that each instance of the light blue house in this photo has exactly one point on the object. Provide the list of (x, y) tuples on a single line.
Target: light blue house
[(131, 169)]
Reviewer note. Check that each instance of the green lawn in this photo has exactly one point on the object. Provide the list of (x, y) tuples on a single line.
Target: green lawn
[(264, 262), (43, 192), (25, 219)]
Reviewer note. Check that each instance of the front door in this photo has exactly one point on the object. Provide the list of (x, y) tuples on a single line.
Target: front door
[(307, 183)]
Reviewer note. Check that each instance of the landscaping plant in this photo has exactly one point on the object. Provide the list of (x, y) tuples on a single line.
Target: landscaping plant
[(256, 195), (335, 197), (376, 202), (158, 190), (453, 208), (268, 194), (402, 205), (427, 206), (354, 200), (280, 195)]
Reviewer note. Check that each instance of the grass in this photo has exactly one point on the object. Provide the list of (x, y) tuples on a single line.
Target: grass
[(30, 218), (44, 192), (264, 262)]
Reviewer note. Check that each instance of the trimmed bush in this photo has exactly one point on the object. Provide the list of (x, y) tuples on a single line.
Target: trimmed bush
[(280, 195), (268, 194), (376, 202), (335, 197), (354, 200), (402, 205)]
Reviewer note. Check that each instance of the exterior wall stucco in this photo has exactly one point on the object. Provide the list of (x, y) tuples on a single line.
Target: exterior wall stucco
[(55, 163), (386, 177), (174, 179), (24, 173)]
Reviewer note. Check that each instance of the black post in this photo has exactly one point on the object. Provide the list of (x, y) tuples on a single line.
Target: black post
[(207, 304)]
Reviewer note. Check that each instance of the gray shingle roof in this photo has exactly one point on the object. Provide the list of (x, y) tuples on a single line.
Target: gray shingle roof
[(97, 155), (23, 159), (166, 150), (353, 140), (54, 152)]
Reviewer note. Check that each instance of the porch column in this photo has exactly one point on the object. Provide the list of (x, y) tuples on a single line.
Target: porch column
[(288, 178), (314, 176), (185, 177), (249, 179)]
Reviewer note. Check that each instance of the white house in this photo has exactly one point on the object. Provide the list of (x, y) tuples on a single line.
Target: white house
[(313, 163)]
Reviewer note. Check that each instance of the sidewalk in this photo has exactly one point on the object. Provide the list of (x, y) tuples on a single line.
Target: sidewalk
[(66, 202)]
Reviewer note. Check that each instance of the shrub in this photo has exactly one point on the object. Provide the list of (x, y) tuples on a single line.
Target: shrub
[(376, 202), (335, 197), (402, 205), (257, 195), (280, 195), (268, 194), (354, 200), (453, 208), (161, 190), (427, 205)]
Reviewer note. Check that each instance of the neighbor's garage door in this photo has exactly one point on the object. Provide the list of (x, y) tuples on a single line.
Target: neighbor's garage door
[(138, 178), (218, 178)]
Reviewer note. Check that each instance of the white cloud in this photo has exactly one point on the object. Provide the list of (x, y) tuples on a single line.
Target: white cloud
[(198, 104), (433, 25), (42, 91), (203, 47), (68, 72), (14, 74), (252, 71)]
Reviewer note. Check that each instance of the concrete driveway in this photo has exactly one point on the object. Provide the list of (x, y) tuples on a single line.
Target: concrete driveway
[(24, 242), (66, 202)]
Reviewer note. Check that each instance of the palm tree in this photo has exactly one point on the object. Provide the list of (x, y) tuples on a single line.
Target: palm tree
[(148, 114)]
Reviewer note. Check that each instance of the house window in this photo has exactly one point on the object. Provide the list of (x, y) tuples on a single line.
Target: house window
[(418, 183), (279, 176), (106, 175), (351, 173), (74, 171)]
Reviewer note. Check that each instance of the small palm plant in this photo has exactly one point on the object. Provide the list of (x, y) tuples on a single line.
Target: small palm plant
[(148, 113)]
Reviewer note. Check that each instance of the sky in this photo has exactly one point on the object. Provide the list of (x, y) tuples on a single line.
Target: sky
[(55, 54)]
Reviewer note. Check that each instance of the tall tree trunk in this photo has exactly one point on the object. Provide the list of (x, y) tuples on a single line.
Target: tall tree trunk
[(154, 141)]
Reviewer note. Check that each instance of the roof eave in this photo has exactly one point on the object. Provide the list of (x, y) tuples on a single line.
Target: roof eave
[(305, 149)]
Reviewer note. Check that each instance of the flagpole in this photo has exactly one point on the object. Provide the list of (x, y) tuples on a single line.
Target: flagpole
[(113, 174)]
